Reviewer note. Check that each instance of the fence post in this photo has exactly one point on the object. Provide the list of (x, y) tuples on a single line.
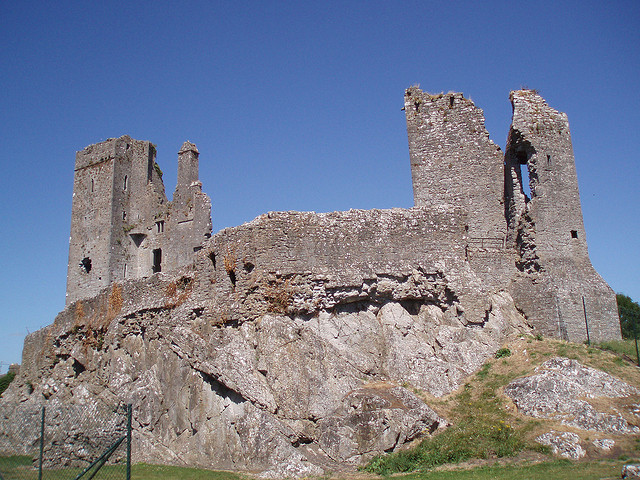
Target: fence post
[(129, 409), (586, 322), (41, 444)]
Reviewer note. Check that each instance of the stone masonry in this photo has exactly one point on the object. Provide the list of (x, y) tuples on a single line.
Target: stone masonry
[(556, 286), (453, 161), (123, 227)]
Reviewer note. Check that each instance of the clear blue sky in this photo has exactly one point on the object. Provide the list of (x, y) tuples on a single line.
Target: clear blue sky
[(295, 105)]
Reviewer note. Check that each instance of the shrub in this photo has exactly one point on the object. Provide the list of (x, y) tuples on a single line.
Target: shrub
[(5, 380), (629, 312), (503, 352)]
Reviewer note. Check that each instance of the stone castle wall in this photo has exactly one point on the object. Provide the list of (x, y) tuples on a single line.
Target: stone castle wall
[(557, 287), (535, 248)]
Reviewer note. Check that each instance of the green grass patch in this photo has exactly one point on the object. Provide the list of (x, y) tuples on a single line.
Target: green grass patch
[(22, 467), (621, 347), (483, 429), (164, 472), (556, 470)]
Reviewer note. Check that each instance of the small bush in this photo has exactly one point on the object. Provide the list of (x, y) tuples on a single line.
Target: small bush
[(5, 380), (503, 352)]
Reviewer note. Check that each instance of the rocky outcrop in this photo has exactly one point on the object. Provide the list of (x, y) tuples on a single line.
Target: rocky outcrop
[(565, 391), (317, 378), (562, 391), (565, 444)]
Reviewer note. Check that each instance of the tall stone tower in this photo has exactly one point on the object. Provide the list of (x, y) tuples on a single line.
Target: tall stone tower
[(122, 226), (556, 279), (533, 246), (111, 181)]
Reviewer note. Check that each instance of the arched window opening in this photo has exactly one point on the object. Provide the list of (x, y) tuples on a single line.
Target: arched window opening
[(124, 184)]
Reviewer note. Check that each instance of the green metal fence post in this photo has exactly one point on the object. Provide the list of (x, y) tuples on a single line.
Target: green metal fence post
[(41, 444), (129, 409), (586, 322)]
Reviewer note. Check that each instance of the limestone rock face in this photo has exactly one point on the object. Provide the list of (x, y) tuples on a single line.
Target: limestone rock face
[(291, 390), (631, 471), (562, 390)]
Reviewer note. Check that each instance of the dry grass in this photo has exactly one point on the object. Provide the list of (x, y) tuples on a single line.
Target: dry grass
[(114, 304), (279, 295), (230, 260), (178, 292)]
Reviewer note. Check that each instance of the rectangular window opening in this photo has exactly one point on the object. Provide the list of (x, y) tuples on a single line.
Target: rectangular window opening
[(157, 260), (574, 234)]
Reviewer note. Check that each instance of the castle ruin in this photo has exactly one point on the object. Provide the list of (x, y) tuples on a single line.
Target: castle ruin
[(290, 344), (532, 245)]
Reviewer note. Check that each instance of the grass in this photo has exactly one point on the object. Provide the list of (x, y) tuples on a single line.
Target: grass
[(156, 472), (484, 429), (556, 470), (623, 347), (487, 426), (22, 468)]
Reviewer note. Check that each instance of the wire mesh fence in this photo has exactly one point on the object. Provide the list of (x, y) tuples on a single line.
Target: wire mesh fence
[(65, 441)]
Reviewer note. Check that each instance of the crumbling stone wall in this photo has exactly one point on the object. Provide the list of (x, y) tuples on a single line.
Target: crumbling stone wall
[(454, 161), (556, 282), (534, 247), (122, 225)]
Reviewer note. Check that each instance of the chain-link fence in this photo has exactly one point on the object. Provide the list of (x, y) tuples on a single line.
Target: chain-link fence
[(70, 442)]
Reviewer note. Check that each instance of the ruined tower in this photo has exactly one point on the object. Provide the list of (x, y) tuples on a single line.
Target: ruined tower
[(453, 161), (122, 226), (556, 280), (532, 246)]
